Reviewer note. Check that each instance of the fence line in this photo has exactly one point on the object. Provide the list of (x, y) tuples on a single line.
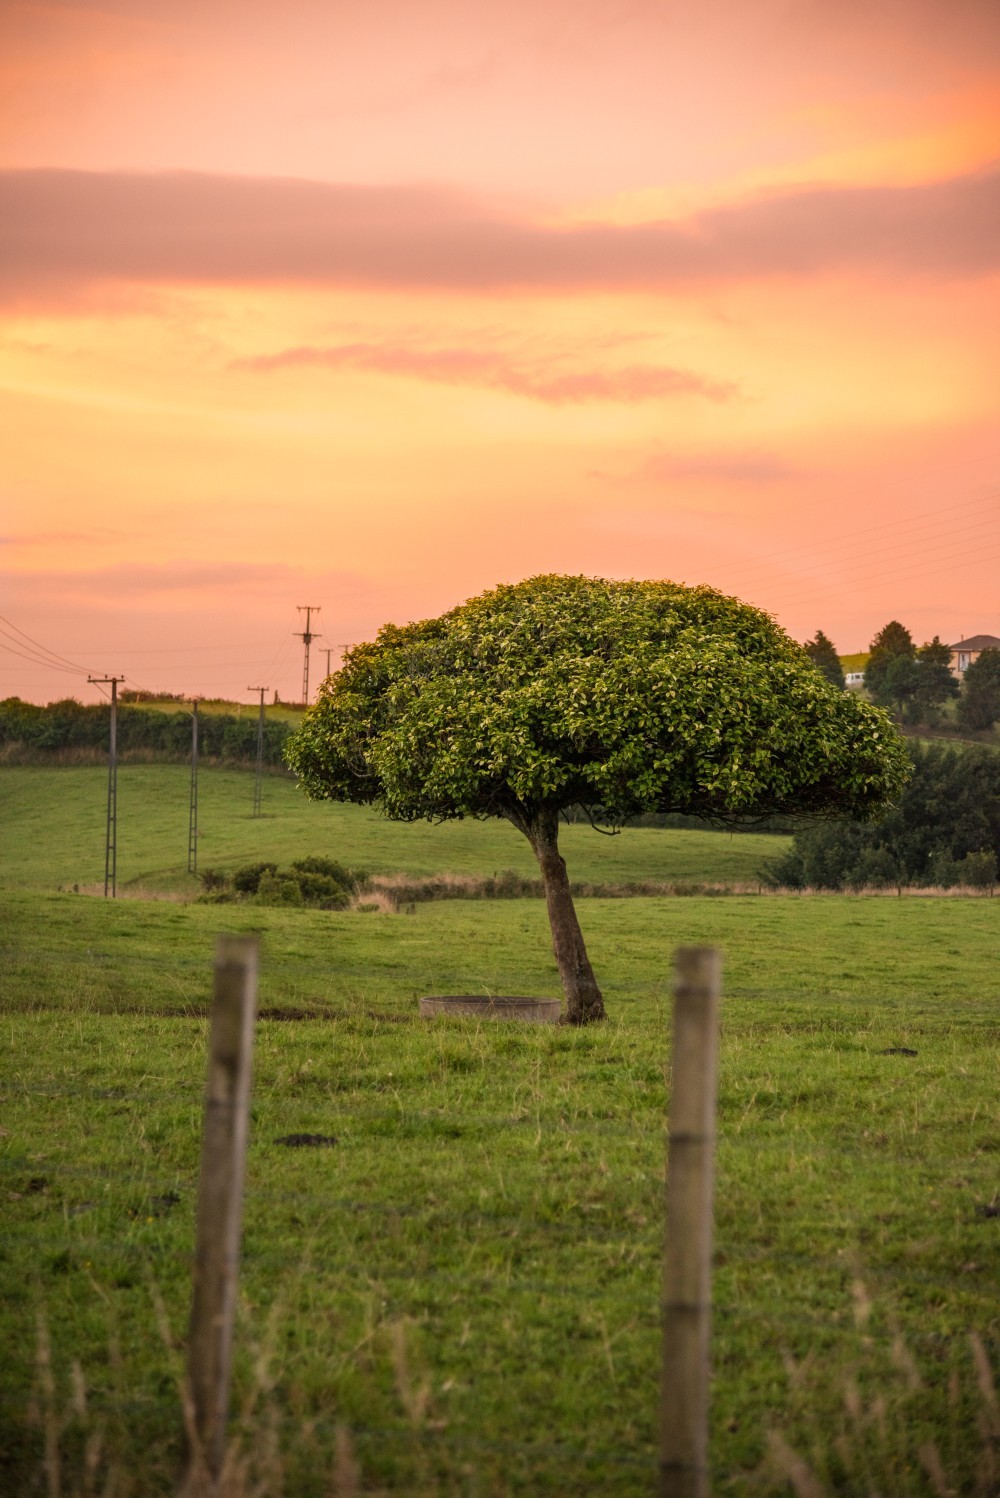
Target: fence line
[(871, 1275), (891, 1152), (684, 1463)]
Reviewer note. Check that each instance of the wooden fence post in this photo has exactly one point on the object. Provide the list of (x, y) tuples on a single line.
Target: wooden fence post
[(687, 1263), (220, 1195)]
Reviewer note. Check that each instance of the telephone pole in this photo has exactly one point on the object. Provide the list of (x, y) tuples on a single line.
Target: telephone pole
[(193, 805), (260, 750), (111, 834), (308, 609)]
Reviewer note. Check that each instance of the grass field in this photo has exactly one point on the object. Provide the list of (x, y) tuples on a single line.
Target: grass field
[(460, 1296), (52, 830)]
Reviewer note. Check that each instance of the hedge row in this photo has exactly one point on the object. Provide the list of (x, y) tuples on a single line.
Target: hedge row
[(72, 725)]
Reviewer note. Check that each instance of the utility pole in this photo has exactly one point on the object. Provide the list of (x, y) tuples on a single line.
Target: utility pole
[(260, 750), (193, 807), (111, 834), (328, 654), (308, 609)]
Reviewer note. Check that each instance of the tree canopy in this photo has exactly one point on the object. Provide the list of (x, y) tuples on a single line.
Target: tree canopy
[(979, 705), (936, 685), (891, 642), (823, 654), (621, 697)]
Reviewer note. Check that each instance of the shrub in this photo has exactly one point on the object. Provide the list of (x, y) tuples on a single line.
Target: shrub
[(328, 868), (321, 890), (247, 879), (318, 883), (943, 870), (278, 889), (978, 870)]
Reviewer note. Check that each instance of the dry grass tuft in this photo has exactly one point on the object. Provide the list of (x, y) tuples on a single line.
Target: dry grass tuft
[(866, 1454)]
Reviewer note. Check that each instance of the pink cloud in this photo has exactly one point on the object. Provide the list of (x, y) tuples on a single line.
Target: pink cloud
[(461, 366), (743, 467), (174, 227), (739, 466), (127, 580)]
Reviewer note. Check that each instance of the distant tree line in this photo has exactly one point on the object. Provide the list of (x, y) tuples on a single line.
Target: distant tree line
[(916, 683), (71, 725), (944, 830)]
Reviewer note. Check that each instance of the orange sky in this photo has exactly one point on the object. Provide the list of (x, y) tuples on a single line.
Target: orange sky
[(372, 307)]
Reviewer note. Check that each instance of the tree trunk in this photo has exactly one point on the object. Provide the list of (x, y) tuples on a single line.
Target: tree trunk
[(583, 997)]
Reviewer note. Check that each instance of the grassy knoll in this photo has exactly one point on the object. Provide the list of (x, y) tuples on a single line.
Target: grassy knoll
[(218, 707), (52, 822), (467, 1281)]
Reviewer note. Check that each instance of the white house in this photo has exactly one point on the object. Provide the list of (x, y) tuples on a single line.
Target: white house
[(967, 651)]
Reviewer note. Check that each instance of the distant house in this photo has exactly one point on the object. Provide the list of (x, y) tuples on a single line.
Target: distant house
[(967, 651)]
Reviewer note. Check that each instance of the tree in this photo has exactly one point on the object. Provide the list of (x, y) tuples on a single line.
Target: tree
[(892, 641), (823, 654), (935, 682), (620, 697), (945, 829), (899, 685), (979, 704)]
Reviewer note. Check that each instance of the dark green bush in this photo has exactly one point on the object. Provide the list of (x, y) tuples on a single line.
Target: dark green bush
[(978, 870), (328, 868), (278, 889), (320, 889), (944, 830), (319, 883), (247, 879)]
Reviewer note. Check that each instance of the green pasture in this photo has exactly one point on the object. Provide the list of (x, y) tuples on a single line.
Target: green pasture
[(460, 1296), (52, 826)]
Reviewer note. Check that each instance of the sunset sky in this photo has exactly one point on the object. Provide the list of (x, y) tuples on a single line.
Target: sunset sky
[(372, 306)]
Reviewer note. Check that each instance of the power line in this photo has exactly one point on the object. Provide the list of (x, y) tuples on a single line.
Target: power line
[(36, 661), (955, 545), (279, 657), (900, 529), (184, 649), (853, 580), (46, 653)]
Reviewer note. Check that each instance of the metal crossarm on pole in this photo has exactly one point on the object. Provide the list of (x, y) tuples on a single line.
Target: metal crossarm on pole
[(307, 638)]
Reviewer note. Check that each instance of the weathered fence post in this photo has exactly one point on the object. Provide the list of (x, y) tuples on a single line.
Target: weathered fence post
[(687, 1268), (220, 1195)]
